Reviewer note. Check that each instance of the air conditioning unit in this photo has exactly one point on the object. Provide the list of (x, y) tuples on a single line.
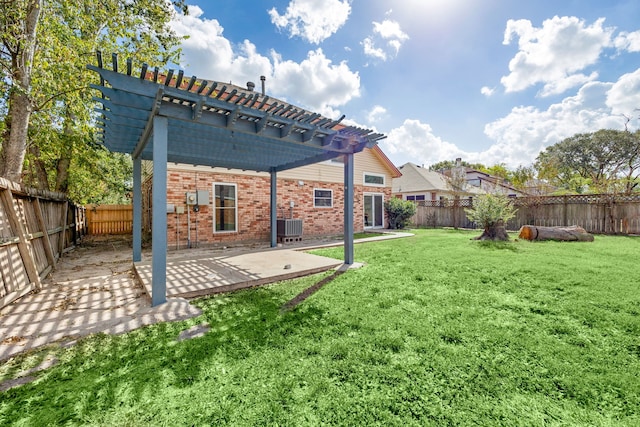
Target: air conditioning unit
[(289, 227)]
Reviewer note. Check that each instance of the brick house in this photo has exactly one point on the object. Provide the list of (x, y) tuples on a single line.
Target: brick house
[(209, 206)]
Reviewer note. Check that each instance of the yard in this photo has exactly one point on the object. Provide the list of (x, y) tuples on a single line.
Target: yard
[(435, 329)]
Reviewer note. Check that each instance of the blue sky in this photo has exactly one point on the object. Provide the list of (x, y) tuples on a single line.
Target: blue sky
[(491, 81)]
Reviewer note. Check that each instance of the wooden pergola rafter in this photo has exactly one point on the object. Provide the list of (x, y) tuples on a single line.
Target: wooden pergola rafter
[(170, 118)]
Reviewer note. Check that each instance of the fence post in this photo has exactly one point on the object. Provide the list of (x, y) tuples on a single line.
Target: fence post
[(23, 242), (48, 250)]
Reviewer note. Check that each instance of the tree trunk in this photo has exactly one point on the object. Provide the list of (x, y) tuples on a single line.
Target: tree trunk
[(38, 173), (494, 232), (14, 147), (572, 233)]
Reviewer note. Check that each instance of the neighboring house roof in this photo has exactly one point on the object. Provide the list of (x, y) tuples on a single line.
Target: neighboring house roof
[(492, 180), (416, 178)]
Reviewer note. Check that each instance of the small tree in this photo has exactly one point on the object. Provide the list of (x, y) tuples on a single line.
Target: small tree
[(491, 211), (399, 212)]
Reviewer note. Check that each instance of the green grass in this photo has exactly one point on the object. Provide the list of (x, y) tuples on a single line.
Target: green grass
[(435, 329)]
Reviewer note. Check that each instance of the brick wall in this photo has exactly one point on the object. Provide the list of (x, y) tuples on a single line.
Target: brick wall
[(253, 223)]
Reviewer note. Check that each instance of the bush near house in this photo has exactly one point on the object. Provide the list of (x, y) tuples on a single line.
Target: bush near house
[(399, 212)]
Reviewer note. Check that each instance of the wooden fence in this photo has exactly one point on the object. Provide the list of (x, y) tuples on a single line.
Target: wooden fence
[(109, 219), (596, 213), (36, 228)]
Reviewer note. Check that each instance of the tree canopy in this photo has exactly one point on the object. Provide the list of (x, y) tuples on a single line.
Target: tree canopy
[(46, 104), (605, 161)]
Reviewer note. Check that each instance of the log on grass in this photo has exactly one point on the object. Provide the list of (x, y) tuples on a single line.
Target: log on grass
[(571, 233)]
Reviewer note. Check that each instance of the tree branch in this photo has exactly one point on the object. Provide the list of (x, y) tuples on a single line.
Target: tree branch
[(54, 96)]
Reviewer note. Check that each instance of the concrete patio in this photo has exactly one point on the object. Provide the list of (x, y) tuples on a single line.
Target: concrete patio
[(195, 276), (94, 289)]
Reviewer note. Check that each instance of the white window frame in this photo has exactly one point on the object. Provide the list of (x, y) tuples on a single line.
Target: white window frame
[(368, 184), (215, 208), (314, 198)]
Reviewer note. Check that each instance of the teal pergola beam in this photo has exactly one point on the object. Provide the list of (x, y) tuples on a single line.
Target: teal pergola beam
[(159, 211), (273, 201), (348, 209), (137, 209)]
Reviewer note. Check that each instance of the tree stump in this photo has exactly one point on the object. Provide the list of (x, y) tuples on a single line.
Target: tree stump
[(494, 232), (571, 233)]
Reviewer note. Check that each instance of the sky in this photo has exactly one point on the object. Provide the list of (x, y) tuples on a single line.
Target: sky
[(489, 81)]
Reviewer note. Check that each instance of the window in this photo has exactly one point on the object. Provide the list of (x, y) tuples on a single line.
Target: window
[(417, 198), (373, 179), (322, 198), (225, 211)]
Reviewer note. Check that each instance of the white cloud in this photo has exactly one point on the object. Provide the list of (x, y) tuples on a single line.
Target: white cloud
[(376, 112), (416, 142), (628, 41), (315, 83), (487, 91), (313, 20), (554, 54), (388, 34), (624, 96), (525, 131), (372, 51)]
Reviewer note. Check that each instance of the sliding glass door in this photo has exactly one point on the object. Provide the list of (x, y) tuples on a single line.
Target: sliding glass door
[(373, 210)]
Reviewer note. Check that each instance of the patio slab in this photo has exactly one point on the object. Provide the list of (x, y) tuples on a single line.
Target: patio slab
[(211, 274)]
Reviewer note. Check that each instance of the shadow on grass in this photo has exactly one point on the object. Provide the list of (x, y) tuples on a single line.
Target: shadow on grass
[(497, 245), (292, 303), (104, 371)]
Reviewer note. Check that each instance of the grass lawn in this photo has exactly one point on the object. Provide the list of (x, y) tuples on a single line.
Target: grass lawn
[(435, 329)]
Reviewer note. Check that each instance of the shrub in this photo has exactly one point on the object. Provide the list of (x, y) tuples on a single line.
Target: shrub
[(488, 209), (399, 212)]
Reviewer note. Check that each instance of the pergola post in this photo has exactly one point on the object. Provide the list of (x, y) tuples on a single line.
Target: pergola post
[(137, 209), (159, 211), (348, 209), (274, 208)]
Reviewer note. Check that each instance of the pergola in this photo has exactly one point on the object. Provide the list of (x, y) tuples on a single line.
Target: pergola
[(170, 118)]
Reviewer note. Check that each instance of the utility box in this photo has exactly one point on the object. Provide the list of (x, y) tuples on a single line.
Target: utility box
[(200, 197), (289, 227)]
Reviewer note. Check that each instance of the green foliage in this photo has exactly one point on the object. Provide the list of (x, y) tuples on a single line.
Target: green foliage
[(61, 125), (606, 161), (450, 164), (399, 212), (435, 330), (489, 208)]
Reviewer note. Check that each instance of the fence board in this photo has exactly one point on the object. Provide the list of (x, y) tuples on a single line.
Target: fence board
[(596, 213), (109, 219), (30, 220)]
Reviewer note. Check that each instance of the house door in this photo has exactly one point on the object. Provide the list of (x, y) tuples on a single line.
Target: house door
[(373, 211)]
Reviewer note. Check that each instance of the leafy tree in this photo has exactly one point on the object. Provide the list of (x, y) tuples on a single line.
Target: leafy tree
[(450, 164), (491, 211), (18, 30), (57, 94), (499, 170), (522, 176), (457, 185), (399, 212), (605, 161)]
